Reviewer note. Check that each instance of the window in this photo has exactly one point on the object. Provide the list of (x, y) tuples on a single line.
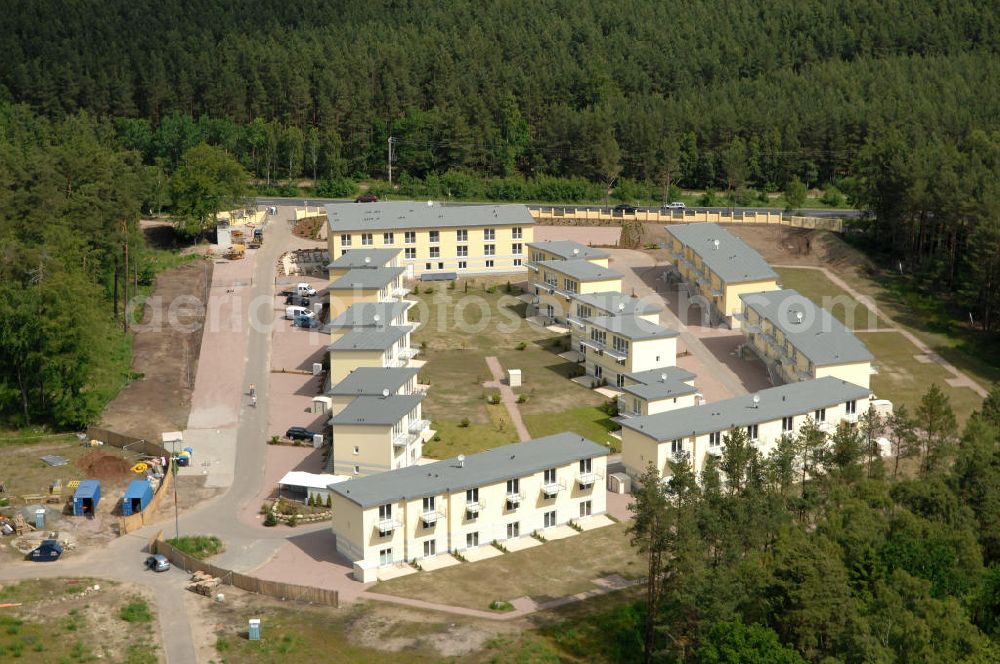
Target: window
[(550, 476), (551, 280), (435, 252), (388, 238), (516, 248), (517, 262), (715, 438), (428, 504), (440, 266), (356, 450), (851, 407), (636, 406), (598, 371), (462, 235), (489, 234), (619, 344), (410, 237), (367, 240), (384, 512), (411, 253), (463, 251), (489, 249), (572, 286), (357, 470), (620, 380), (434, 236), (471, 540), (585, 508), (676, 446), (343, 251), (472, 495), (752, 432), (585, 466), (385, 556), (427, 266), (345, 240), (600, 336), (513, 486), (516, 232), (513, 530), (430, 548), (820, 415), (549, 519), (489, 263), (583, 311), (462, 265), (787, 423)]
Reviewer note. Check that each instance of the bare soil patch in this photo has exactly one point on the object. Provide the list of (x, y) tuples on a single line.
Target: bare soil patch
[(165, 352), (308, 228), (105, 466)]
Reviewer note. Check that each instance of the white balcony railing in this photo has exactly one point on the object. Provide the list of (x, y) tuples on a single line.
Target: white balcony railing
[(386, 526), (430, 517), (419, 426), (552, 488), (851, 417), (408, 353), (474, 507), (588, 479), (514, 498), (403, 439), (573, 320), (400, 291), (716, 450)]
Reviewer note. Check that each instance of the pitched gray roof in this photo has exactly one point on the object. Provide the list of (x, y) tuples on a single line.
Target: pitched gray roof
[(362, 314), (582, 270), (565, 248), (377, 410), (489, 467), (632, 327), (370, 338), (366, 278), (412, 215), (610, 301), (820, 337), (356, 258), (653, 386), (370, 381), (777, 402), (734, 261)]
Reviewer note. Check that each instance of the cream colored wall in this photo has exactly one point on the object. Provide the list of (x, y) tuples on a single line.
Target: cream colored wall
[(348, 524), (858, 373), (344, 362), (638, 450), (340, 300), (339, 403), (374, 443), (652, 354), (664, 405), (476, 260), (731, 302), (601, 286)]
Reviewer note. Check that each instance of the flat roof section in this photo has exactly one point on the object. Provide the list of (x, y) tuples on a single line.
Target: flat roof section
[(413, 215), (362, 314), (775, 403), (370, 381), (725, 254), (370, 338), (581, 270), (664, 383), (383, 411), (366, 278), (568, 249), (811, 328), (489, 467), (632, 328), (364, 258), (618, 304)]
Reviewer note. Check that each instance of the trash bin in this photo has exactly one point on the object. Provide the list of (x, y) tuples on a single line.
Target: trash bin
[(254, 631), (39, 519)]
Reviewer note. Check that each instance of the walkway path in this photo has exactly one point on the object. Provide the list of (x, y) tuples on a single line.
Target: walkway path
[(959, 379), (507, 396)]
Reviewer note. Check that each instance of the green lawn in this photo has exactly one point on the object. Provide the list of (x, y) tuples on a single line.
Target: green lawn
[(817, 287), (588, 421), (903, 380), (198, 546), (555, 569)]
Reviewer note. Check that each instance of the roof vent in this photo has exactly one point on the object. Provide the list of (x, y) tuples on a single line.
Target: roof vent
[(715, 244), (756, 401), (368, 259)]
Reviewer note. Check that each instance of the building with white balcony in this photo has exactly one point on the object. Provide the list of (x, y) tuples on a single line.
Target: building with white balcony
[(381, 346), (464, 503), (611, 303), (696, 432), (358, 285), (657, 391), (374, 434), (369, 315), (558, 282), (798, 340), (362, 258), (371, 382), (564, 250), (611, 347)]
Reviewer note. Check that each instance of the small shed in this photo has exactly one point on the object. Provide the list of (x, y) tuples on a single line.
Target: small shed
[(514, 377), (137, 496), (86, 498)]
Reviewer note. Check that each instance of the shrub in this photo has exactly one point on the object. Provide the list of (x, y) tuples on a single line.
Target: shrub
[(522, 345), (464, 423), (437, 438), (493, 398), (832, 197), (136, 611), (274, 440), (270, 520), (293, 520), (507, 288), (428, 290), (501, 605), (522, 398), (197, 546), (491, 289), (451, 285), (329, 501), (336, 188)]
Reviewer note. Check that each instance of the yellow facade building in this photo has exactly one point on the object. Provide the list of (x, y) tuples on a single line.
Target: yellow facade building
[(611, 347), (557, 282), (370, 382), (464, 503), (355, 259), (799, 340), (380, 346), (374, 434), (361, 285), (435, 238), (717, 267), (564, 250), (656, 391)]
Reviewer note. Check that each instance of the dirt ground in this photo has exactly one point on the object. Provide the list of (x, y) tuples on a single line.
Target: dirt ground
[(69, 620), (309, 227), (166, 355)]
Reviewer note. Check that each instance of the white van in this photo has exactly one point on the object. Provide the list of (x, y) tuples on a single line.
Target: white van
[(293, 311), (304, 289)]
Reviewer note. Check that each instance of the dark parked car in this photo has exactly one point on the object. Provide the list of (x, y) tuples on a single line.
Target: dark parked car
[(624, 208), (46, 552), (366, 198), (298, 433)]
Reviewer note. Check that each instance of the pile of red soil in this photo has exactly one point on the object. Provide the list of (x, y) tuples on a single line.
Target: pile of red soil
[(101, 465)]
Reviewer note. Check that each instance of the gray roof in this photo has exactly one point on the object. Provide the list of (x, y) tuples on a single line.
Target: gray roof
[(582, 270), (362, 314), (653, 386), (610, 301), (775, 403), (820, 337), (361, 277), (411, 215), (565, 248), (734, 261), (356, 258), (632, 327), (370, 338), (489, 467), (370, 381), (377, 410)]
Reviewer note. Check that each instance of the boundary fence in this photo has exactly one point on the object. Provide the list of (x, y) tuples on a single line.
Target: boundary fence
[(571, 216)]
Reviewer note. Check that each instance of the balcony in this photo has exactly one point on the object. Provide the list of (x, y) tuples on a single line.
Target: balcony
[(586, 480), (616, 354), (514, 498), (430, 517), (550, 489), (386, 526), (531, 265), (578, 322), (716, 450), (552, 290), (407, 353), (403, 439), (851, 417), (474, 507), (400, 291)]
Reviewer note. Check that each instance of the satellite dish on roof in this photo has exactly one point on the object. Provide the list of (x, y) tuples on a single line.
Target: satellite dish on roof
[(798, 316), (368, 259), (576, 251), (756, 400), (385, 392), (376, 318), (715, 243), (621, 306), (663, 376)]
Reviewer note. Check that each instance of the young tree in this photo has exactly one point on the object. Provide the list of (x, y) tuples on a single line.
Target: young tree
[(902, 436), (811, 444), (737, 459), (936, 420), (871, 425), (990, 412), (649, 533), (847, 450), (607, 159), (780, 464), (207, 181), (795, 194)]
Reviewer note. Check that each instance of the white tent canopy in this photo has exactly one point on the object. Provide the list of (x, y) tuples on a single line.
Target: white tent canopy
[(298, 478)]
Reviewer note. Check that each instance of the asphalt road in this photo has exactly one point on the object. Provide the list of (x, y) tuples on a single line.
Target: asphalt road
[(809, 212)]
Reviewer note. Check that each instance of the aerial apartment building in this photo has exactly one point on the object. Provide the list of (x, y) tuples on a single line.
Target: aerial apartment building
[(559, 281), (611, 347), (564, 250), (657, 391), (378, 346), (463, 239), (374, 434), (358, 285), (354, 259), (799, 340), (467, 502), (696, 432), (371, 382), (718, 267)]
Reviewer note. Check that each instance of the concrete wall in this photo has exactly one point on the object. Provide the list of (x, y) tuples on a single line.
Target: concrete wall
[(565, 215)]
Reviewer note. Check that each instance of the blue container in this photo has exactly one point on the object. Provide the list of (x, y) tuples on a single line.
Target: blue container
[(39, 519), (137, 496), (86, 498), (254, 632)]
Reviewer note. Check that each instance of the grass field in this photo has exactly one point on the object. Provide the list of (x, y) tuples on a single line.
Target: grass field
[(24, 472), (817, 287), (556, 569)]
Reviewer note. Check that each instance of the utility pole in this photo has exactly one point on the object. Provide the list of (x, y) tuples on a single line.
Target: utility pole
[(391, 141)]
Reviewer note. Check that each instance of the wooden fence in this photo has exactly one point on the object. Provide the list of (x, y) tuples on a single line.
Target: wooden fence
[(569, 216), (127, 524), (277, 589)]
